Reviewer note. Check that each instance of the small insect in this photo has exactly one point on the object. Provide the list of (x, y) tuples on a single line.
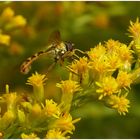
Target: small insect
[(58, 49)]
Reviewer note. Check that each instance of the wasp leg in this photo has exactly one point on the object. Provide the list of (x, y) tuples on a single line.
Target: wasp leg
[(50, 67)]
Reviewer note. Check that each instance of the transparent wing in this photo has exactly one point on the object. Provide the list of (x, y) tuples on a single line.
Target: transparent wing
[(54, 38)]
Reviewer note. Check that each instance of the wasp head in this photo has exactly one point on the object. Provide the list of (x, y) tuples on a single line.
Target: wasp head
[(69, 46)]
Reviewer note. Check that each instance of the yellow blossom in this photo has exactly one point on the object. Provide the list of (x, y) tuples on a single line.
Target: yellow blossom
[(112, 45), (7, 14), (68, 86), (114, 61), (134, 29), (124, 79), (65, 122), (80, 66), (97, 52), (18, 21), (99, 66), (29, 136), (56, 134), (4, 39), (107, 87), (121, 104), (36, 79), (125, 53), (51, 109)]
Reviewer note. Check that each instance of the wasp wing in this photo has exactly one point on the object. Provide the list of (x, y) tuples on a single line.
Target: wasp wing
[(54, 38)]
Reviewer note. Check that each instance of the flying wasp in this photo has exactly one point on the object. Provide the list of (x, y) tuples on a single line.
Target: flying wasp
[(58, 49)]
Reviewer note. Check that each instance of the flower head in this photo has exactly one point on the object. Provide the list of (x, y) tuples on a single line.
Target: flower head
[(134, 29), (125, 53), (65, 122), (99, 66), (56, 134), (121, 104), (80, 66), (36, 79), (112, 45), (97, 52), (68, 86), (4, 39), (7, 14), (124, 79), (107, 87), (19, 21), (51, 109), (29, 136)]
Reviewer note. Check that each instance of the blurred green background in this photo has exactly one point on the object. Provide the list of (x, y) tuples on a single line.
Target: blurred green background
[(85, 24)]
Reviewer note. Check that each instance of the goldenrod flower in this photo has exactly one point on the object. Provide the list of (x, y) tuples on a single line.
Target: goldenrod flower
[(65, 122), (124, 79), (97, 52), (99, 66), (51, 109), (112, 45), (29, 136), (7, 14), (107, 87), (56, 134), (134, 29), (4, 39), (121, 104), (114, 61), (68, 86), (36, 79), (125, 53), (80, 66), (18, 21)]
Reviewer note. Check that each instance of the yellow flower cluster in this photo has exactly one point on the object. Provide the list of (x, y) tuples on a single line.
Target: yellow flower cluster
[(105, 72), (108, 67), (8, 16), (8, 21)]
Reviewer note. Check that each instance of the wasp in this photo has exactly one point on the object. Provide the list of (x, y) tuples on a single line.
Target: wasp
[(58, 49)]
